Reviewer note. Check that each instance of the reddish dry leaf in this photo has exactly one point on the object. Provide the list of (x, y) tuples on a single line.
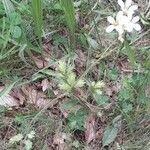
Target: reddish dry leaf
[(34, 97), (90, 128), (17, 94), (108, 91), (81, 94), (64, 112), (59, 140), (50, 148), (45, 84), (80, 61), (39, 62), (41, 100), (8, 101), (99, 133)]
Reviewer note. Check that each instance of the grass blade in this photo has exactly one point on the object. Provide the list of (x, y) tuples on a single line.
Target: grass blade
[(69, 12), (37, 13), (9, 8)]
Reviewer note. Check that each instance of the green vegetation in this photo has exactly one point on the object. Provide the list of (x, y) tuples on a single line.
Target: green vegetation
[(67, 84)]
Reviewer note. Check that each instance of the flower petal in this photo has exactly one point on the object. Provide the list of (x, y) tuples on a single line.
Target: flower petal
[(121, 3), (121, 19), (110, 28), (111, 20), (119, 29), (128, 3), (135, 19), (119, 16), (130, 15), (133, 8), (129, 27), (137, 27)]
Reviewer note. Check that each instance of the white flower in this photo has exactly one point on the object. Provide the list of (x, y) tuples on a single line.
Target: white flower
[(117, 24), (132, 24), (127, 7), (124, 21)]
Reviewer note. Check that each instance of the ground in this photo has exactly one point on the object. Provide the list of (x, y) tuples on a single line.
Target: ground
[(72, 87)]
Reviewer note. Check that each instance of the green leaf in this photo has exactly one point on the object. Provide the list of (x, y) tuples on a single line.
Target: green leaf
[(69, 12), (15, 18), (71, 79), (16, 138), (113, 74), (16, 32), (2, 10), (37, 13), (76, 144), (57, 6), (92, 42), (109, 135), (9, 8), (69, 104), (102, 99), (31, 135), (111, 131), (125, 94), (80, 83), (127, 107), (22, 52), (28, 145), (64, 86), (76, 120), (2, 109)]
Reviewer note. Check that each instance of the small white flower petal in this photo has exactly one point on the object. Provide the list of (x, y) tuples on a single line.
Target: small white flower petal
[(137, 27), (129, 27), (119, 16), (110, 28), (111, 20), (119, 29), (133, 8), (128, 3), (135, 19), (121, 3), (130, 15), (122, 19)]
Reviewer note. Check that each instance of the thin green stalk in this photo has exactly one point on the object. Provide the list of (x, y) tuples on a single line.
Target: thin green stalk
[(69, 12), (37, 13)]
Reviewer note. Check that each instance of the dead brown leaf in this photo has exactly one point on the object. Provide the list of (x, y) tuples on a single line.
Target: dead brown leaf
[(80, 62), (41, 100), (108, 91), (59, 140), (8, 101), (17, 94), (39, 62), (33, 96), (45, 84), (90, 128)]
